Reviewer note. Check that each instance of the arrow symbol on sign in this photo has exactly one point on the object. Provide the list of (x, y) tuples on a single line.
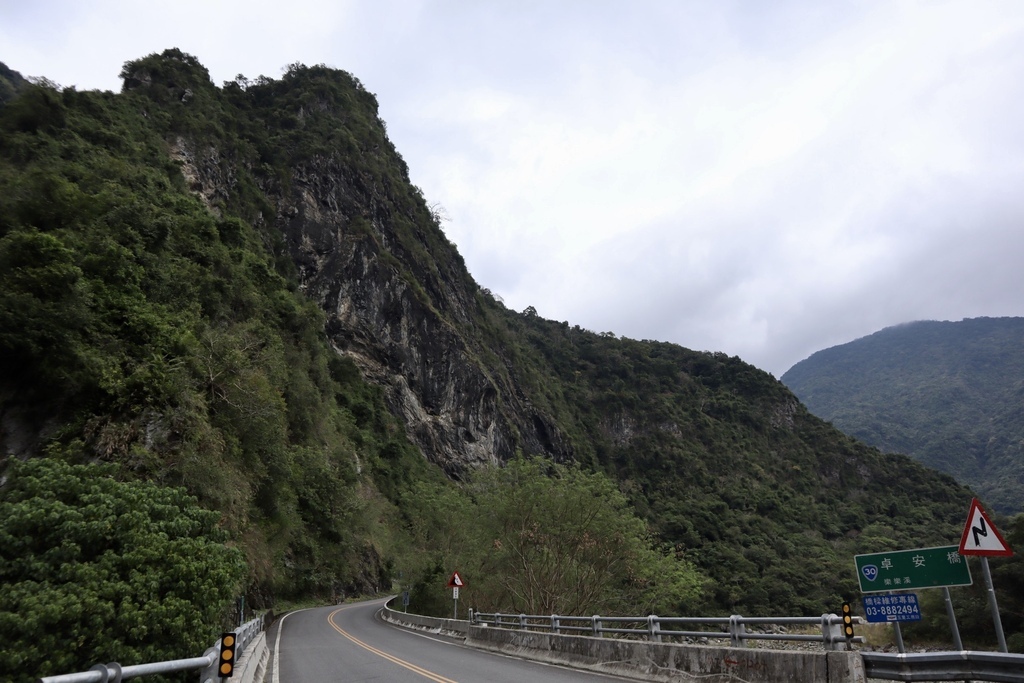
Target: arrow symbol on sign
[(983, 530)]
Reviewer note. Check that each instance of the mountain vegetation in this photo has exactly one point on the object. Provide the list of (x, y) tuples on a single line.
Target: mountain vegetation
[(234, 298), (542, 538), (10, 83), (128, 567), (948, 394)]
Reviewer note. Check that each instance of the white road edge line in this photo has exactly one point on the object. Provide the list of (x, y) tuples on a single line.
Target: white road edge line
[(276, 675)]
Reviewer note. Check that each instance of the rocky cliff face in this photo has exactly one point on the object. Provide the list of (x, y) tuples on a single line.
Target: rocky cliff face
[(400, 317)]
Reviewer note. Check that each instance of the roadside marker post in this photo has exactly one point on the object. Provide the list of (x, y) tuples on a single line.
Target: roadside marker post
[(455, 583)]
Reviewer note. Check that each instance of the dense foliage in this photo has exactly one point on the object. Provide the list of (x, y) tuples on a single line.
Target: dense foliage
[(141, 328), (722, 460), (93, 569), (536, 537), (949, 394)]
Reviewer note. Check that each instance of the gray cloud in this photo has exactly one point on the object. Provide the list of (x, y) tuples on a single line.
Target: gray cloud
[(764, 179)]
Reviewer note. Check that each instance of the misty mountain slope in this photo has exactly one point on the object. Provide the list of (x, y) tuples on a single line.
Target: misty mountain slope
[(949, 394), (242, 280)]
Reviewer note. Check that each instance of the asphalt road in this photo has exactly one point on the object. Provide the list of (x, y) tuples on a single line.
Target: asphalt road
[(351, 643)]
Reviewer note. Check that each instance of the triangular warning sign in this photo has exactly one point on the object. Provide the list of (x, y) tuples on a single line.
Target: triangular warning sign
[(456, 581), (980, 535)]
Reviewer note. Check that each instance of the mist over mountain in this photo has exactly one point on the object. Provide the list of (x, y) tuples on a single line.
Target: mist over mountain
[(949, 394)]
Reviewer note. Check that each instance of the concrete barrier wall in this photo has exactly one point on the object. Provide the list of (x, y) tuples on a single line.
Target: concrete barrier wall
[(252, 663), (668, 661), (459, 626), (647, 661)]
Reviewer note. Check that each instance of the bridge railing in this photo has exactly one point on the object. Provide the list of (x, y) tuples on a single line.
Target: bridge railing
[(656, 628), (206, 665)]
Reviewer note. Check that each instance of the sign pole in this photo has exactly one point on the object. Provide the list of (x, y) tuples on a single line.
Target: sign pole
[(455, 583), (982, 538), (992, 604), (957, 643), (899, 634)]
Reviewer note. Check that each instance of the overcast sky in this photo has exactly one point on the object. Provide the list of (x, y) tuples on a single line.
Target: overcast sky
[(763, 178)]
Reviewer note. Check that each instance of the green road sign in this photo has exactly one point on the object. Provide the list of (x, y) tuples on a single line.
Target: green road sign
[(909, 569)]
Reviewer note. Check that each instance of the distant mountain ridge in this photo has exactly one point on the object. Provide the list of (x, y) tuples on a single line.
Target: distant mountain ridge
[(949, 394)]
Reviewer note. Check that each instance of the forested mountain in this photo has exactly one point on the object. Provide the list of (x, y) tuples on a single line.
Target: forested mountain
[(949, 394), (11, 82), (235, 293)]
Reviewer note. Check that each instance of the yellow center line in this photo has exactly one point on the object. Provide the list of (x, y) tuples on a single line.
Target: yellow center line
[(391, 658)]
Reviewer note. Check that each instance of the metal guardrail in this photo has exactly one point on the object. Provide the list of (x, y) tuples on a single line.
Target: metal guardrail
[(655, 628), (244, 635), (115, 673), (924, 666), (945, 666)]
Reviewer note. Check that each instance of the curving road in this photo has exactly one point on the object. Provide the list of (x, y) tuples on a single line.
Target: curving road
[(351, 643)]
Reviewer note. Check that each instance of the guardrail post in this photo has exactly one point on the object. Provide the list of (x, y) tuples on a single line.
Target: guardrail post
[(653, 629), (210, 672), (595, 626), (470, 616), (555, 624), (522, 621), (832, 632), (737, 631)]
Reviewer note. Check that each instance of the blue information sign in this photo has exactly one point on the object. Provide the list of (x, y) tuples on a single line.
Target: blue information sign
[(900, 607)]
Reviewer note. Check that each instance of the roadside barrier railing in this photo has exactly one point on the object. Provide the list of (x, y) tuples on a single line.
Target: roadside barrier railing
[(656, 628), (206, 665), (966, 665)]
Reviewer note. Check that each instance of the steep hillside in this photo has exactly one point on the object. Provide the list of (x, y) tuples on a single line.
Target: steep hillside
[(142, 328), (11, 82), (949, 394), (222, 286)]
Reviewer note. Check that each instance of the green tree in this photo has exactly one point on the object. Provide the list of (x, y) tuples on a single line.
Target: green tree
[(93, 569), (556, 539)]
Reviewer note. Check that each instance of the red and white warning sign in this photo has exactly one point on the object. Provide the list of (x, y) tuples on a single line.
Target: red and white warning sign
[(456, 581), (980, 535)]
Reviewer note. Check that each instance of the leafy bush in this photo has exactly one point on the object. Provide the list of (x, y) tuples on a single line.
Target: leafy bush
[(542, 538), (94, 569)]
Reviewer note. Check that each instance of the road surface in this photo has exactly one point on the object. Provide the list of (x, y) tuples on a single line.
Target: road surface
[(351, 643)]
